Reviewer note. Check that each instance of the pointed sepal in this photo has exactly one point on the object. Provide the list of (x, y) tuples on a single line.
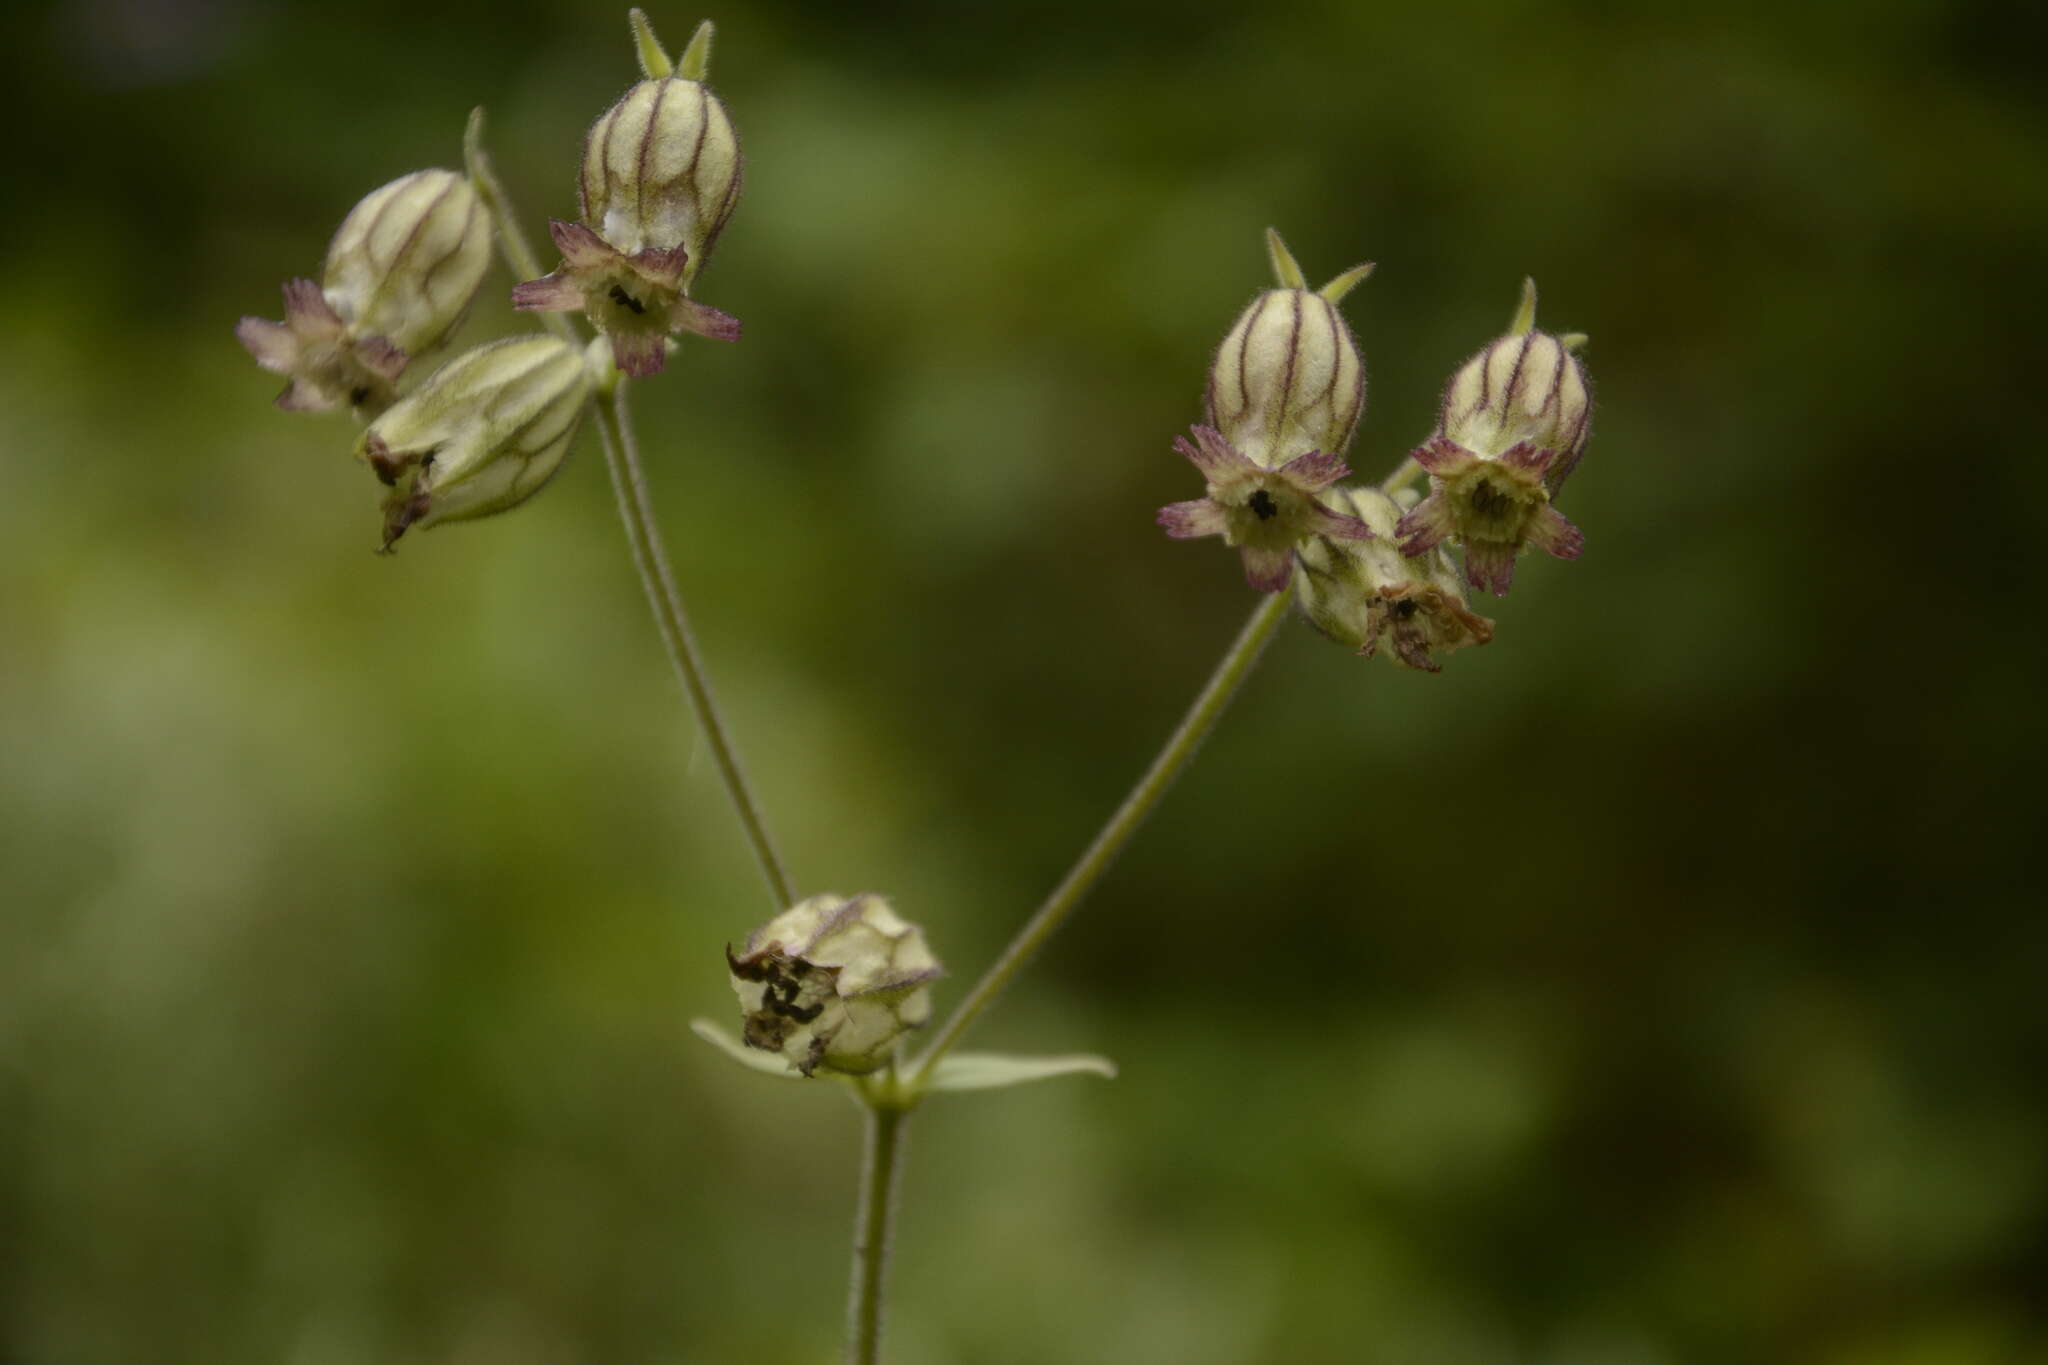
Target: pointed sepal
[(654, 62)]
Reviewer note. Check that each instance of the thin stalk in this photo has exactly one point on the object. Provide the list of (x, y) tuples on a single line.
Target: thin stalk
[(881, 1164), (1194, 727), (643, 535), (512, 244), (1404, 474)]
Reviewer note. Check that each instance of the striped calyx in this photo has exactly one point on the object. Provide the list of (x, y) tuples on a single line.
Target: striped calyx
[(407, 260), (401, 273), (661, 169), (481, 435), (1513, 426), (661, 174), (1288, 379)]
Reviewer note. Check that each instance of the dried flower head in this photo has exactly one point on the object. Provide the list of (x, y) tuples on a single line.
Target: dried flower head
[(481, 435), (1362, 592), (661, 176), (400, 275), (834, 982), (1513, 425)]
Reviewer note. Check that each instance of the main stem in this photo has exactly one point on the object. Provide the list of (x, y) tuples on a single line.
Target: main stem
[(643, 533), (483, 177), (880, 1162), (1194, 727), (622, 457)]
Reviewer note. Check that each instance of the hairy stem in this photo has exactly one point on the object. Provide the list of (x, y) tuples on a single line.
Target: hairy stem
[(881, 1161), (512, 243), (643, 535), (1194, 727)]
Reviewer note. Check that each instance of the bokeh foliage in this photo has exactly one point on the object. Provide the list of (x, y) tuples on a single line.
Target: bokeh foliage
[(1661, 983)]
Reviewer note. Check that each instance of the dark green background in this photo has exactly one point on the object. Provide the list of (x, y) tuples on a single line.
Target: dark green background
[(1662, 983)]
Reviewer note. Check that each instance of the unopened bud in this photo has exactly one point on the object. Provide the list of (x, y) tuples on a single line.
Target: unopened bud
[(401, 273), (1513, 426), (482, 435), (1360, 592), (661, 169), (834, 982), (661, 175), (1288, 379), (407, 260), (1525, 388)]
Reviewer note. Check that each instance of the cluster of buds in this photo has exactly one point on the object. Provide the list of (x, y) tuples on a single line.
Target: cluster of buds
[(661, 176), (833, 982), (400, 275), (1513, 425), (1285, 394)]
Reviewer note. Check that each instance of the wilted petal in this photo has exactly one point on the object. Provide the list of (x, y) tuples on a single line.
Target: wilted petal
[(1411, 643), (306, 310), (1443, 458), (1426, 525), (1314, 471), (556, 293), (271, 343), (1490, 565), (302, 396), (1211, 454), (664, 268), (1187, 520), (1526, 455), (1268, 570), (382, 358), (688, 315), (581, 248), (639, 354), (1553, 533), (1337, 526)]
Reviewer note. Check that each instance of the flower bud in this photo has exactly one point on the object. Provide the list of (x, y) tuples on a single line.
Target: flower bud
[(661, 169), (833, 982), (1359, 592), (1523, 389), (1288, 380), (401, 273), (482, 434), (407, 260), (661, 174), (1512, 427)]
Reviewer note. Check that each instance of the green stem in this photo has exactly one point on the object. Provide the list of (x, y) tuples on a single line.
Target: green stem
[(881, 1162), (1404, 474), (512, 243), (1194, 727), (643, 535)]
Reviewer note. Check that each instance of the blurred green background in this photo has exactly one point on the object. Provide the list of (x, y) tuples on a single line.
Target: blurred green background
[(1661, 983)]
